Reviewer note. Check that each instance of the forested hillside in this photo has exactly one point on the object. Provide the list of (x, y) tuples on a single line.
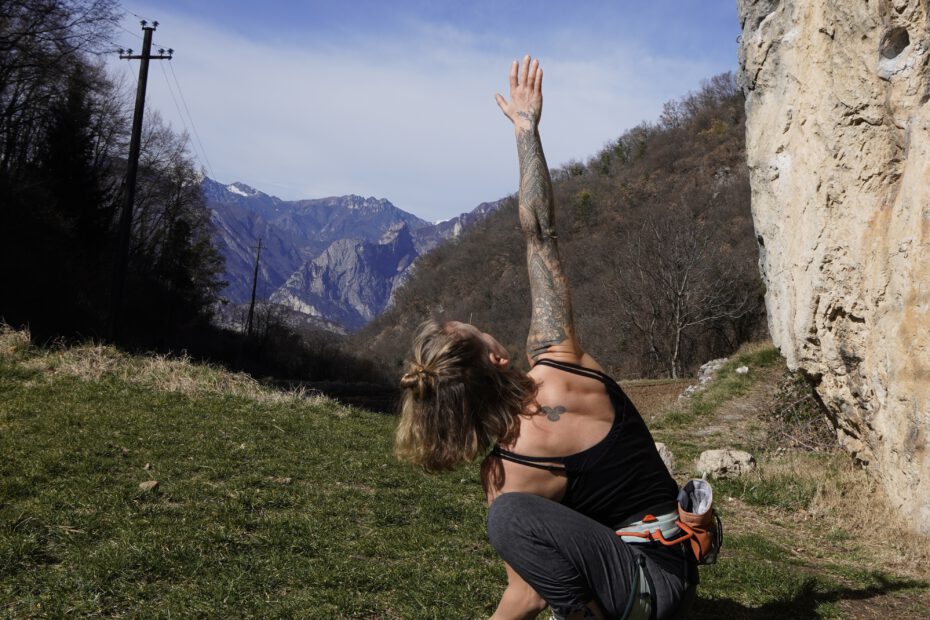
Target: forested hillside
[(64, 134), (656, 235)]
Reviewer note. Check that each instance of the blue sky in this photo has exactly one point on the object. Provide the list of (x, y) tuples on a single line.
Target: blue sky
[(396, 99)]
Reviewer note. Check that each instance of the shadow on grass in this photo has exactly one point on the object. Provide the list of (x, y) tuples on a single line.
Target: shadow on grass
[(806, 604)]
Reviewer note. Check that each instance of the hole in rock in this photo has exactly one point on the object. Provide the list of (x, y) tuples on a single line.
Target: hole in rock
[(894, 42)]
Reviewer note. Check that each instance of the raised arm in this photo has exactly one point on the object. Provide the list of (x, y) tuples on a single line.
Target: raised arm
[(552, 328)]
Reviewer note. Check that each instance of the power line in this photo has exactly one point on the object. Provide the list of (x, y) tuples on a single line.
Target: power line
[(130, 76), (161, 45), (139, 16), (177, 107), (135, 34), (191, 118), (173, 98), (155, 44)]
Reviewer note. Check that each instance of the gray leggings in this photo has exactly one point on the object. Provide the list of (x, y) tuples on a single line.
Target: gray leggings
[(570, 559)]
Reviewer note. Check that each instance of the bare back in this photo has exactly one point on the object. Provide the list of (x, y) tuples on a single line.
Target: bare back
[(574, 413)]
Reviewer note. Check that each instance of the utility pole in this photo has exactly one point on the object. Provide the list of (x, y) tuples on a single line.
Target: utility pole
[(132, 168), (258, 255)]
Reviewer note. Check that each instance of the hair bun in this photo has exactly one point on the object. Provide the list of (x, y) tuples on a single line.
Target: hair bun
[(419, 380), (410, 380)]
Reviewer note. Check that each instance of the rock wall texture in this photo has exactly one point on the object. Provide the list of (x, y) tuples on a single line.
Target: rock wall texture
[(838, 142)]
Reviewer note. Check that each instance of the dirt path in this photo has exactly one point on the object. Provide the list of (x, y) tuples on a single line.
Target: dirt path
[(654, 397), (807, 523)]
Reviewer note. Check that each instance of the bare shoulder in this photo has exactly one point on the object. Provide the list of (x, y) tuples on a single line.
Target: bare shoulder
[(572, 356)]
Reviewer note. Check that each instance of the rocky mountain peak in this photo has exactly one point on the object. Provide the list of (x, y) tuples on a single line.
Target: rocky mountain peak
[(241, 189), (338, 258), (371, 203), (397, 232)]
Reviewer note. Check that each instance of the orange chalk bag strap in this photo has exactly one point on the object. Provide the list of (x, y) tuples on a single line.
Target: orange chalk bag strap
[(695, 521)]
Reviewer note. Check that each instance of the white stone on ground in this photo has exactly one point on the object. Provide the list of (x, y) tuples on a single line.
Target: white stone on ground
[(706, 374), (667, 457), (725, 463)]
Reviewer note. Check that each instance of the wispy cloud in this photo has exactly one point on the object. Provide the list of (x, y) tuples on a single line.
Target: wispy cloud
[(411, 116)]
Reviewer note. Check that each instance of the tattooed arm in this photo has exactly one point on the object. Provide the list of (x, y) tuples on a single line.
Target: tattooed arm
[(551, 327)]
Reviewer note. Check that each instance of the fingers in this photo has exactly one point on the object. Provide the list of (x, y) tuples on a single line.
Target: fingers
[(503, 105), (527, 74), (531, 75), (501, 102)]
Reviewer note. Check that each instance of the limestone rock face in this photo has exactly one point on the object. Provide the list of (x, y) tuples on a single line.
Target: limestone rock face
[(838, 143)]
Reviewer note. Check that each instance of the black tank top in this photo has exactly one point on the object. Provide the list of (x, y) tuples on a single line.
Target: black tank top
[(619, 479)]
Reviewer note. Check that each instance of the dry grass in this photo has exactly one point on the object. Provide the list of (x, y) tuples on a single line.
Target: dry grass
[(847, 503), (852, 501), (177, 374), (845, 531), (12, 342)]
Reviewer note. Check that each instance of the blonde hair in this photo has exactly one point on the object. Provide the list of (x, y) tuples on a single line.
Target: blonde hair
[(456, 404)]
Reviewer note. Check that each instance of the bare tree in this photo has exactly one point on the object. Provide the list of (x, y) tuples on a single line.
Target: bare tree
[(41, 41), (672, 283)]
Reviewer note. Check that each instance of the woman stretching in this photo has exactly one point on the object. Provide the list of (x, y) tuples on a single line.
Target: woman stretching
[(569, 459)]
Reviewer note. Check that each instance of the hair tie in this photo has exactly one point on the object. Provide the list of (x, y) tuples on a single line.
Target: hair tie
[(421, 369)]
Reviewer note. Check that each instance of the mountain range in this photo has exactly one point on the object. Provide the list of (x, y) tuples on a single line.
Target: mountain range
[(337, 260)]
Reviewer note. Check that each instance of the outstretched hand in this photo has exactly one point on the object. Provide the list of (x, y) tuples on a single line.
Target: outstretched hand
[(525, 106)]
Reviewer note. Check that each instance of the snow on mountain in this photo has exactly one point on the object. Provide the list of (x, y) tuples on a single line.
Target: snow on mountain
[(240, 189), (339, 259)]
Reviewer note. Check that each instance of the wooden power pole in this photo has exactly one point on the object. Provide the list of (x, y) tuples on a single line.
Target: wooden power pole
[(258, 255), (132, 168)]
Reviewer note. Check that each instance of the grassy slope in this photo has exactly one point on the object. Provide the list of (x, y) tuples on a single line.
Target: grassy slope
[(275, 505), (350, 534)]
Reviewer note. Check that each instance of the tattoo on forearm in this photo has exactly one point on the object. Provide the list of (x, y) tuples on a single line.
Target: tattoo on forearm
[(535, 186), (551, 322), (551, 304), (542, 347), (529, 117), (553, 413)]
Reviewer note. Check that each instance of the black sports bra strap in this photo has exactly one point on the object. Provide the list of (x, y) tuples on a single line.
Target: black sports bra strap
[(609, 383), (539, 462), (574, 369)]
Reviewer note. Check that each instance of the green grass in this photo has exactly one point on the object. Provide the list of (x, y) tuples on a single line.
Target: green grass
[(273, 506), (730, 384), (763, 578), (352, 534), (783, 491)]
